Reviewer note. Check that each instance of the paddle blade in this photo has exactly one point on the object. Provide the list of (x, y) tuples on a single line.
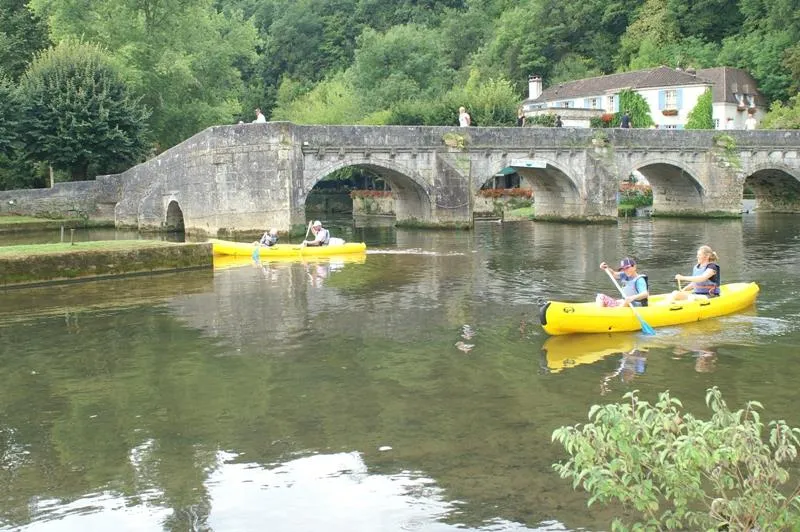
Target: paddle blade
[(256, 253), (646, 329)]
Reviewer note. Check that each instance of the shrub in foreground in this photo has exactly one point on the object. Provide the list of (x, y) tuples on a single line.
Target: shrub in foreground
[(679, 472)]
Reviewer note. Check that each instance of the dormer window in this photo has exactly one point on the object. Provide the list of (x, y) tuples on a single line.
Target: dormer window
[(751, 100)]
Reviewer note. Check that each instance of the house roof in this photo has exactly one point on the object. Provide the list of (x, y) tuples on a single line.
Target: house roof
[(728, 81), (639, 79)]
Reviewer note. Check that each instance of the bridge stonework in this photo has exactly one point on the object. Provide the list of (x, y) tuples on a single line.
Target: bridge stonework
[(246, 177)]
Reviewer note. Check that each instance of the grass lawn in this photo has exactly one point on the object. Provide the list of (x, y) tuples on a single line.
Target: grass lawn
[(65, 247), (524, 212)]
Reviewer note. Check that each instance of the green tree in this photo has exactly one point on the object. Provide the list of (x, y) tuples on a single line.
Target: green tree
[(9, 111), (655, 25), (637, 108), (78, 113), (404, 63), (681, 472), (701, 117), (782, 116), (22, 34), (184, 57)]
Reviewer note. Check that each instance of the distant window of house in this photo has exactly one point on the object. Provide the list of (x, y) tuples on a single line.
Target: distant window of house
[(565, 104), (670, 126), (751, 100), (739, 98), (594, 103), (670, 99), (610, 107), (716, 123)]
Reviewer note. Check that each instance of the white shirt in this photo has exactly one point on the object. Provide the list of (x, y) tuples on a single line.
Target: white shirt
[(464, 119)]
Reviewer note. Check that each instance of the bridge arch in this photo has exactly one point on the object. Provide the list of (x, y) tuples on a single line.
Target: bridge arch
[(174, 221), (412, 196), (776, 187), (555, 191), (675, 188)]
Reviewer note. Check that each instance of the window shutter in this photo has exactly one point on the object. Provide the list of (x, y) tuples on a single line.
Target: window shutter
[(680, 98), (662, 99), (616, 103)]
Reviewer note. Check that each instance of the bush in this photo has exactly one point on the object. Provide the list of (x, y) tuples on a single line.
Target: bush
[(635, 195), (546, 120), (681, 472)]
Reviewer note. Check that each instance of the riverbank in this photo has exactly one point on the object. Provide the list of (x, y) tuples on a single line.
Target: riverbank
[(45, 263), (18, 224)]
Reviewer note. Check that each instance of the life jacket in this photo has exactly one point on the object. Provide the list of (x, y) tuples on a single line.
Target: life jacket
[(630, 289), (709, 287), (268, 240)]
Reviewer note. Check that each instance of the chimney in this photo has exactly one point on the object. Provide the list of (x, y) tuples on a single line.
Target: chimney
[(534, 87)]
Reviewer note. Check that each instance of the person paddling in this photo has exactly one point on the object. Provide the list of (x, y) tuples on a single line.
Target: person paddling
[(705, 279), (634, 286), (268, 239), (321, 235)]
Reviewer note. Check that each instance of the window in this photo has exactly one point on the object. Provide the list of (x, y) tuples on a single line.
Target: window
[(610, 107), (564, 104), (669, 126), (670, 99), (751, 100), (716, 123), (594, 103)]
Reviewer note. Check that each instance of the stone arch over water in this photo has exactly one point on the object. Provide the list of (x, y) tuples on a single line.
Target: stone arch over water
[(555, 192), (174, 222), (776, 188), (412, 197), (675, 188)]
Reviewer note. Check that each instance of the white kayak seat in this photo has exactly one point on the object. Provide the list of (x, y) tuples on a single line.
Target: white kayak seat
[(336, 241)]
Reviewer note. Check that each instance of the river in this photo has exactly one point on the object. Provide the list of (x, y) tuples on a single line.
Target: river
[(409, 389)]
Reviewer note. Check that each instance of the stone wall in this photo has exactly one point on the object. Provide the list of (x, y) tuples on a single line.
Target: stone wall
[(373, 205), (92, 200)]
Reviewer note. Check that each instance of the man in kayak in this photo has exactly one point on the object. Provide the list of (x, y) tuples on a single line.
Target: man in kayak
[(634, 286), (322, 236)]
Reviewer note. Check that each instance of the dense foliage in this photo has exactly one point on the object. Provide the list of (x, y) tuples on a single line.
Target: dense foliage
[(680, 472), (197, 63), (701, 117), (78, 113)]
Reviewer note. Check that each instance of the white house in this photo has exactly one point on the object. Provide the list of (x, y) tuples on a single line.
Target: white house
[(670, 93)]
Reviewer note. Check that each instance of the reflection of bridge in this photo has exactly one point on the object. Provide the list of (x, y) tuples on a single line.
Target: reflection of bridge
[(249, 176)]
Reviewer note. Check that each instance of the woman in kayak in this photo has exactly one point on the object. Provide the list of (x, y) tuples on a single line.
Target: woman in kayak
[(705, 278)]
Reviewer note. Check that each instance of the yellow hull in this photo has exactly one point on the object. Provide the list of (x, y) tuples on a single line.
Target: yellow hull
[(569, 318), (296, 251)]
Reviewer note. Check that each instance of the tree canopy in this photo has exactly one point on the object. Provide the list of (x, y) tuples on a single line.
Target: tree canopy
[(78, 113)]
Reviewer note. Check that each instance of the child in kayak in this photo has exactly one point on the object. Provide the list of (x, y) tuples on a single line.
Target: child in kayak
[(634, 286)]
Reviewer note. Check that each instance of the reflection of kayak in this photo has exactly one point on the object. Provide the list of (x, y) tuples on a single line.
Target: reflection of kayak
[(245, 249), (222, 262), (565, 352), (566, 318)]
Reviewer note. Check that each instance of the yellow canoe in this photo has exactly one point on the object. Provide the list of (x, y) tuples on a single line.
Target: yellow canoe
[(246, 249), (569, 318)]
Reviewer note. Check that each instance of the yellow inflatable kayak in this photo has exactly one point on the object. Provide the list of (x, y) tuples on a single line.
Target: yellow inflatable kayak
[(568, 318), (246, 249)]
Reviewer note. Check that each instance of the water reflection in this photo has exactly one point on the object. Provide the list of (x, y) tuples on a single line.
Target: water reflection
[(207, 400)]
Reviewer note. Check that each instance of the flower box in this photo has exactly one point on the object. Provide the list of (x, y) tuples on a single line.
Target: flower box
[(669, 112)]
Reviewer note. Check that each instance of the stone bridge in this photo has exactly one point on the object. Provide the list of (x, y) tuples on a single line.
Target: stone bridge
[(243, 178)]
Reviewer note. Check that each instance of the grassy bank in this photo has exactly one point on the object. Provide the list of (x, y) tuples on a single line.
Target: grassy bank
[(40, 263), (14, 223)]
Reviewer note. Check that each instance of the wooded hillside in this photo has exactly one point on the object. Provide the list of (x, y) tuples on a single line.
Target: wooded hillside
[(189, 64)]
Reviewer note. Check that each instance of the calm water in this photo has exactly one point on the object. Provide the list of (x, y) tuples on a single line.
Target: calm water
[(411, 390)]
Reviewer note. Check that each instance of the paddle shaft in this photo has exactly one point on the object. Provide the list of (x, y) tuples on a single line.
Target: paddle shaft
[(645, 327), (307, 231)]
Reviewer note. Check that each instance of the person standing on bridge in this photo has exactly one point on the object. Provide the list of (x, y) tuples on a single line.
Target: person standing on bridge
[(322, 236), (464, 119), (625, 121), (260, 119)]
